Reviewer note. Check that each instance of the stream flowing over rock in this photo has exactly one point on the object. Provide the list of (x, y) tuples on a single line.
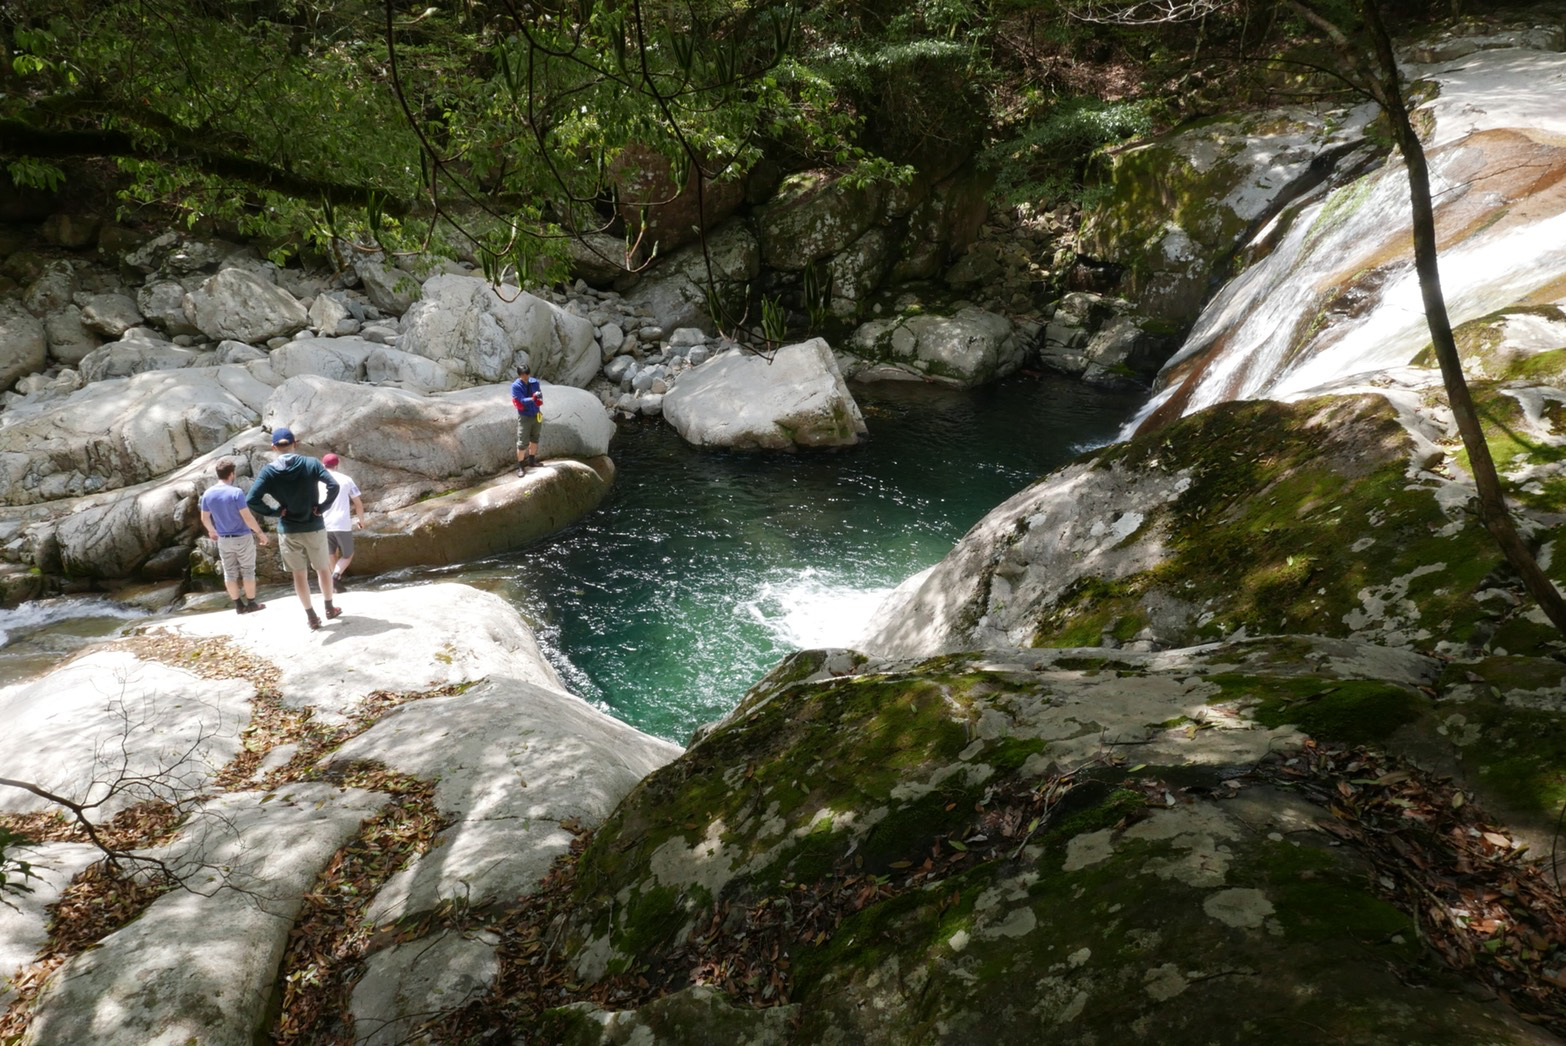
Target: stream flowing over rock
[(1332, 293), (1238, 730)]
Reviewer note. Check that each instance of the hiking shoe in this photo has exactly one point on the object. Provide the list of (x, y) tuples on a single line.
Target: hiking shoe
[(315, 622), (254, 605), (521, 470), (338, 585), (332, 612)]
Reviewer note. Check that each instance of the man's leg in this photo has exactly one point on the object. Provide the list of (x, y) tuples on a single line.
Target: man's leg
[(315, 545), (302, 588), (244, 555), (341, 544), (233, 567)]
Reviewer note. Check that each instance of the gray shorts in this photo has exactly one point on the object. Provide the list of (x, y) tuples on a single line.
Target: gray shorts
[(301, 551), (238, 556), (340, 542), (528, 429)]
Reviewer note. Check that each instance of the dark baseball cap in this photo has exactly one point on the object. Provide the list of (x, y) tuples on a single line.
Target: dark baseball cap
[(282, 435)]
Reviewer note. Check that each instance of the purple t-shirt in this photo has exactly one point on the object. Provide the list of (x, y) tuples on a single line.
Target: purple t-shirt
[(224, 501)]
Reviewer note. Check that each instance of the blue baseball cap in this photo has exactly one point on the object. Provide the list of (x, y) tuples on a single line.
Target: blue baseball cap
[(282, 435)]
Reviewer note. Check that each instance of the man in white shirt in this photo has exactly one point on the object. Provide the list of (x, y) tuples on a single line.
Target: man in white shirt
[(345, 515)]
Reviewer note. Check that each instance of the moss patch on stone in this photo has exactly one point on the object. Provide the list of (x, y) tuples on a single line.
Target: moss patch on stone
[(1297, 519), (1051, 952), (1353, 711), (789, 787), (1515, 755)]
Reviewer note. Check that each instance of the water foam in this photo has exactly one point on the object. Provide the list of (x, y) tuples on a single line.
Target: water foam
[(815, 609), (30, 617)]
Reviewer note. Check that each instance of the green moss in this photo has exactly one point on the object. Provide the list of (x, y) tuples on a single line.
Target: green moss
[(1342, 204), (1512, 446), (1006, 953), (1481, 344), (1517, 754), (1541, 367), (652, 916), (1355, 711), (1295, 518), (1089, 610), (1118, 805)]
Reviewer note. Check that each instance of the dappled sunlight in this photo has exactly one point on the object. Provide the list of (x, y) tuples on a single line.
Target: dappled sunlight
[(110, 731)]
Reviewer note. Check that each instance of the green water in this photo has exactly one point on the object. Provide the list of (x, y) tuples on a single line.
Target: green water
[(704, 568)]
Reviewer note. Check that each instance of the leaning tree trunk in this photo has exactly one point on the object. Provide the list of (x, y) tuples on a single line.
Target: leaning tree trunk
[(1492, 500)]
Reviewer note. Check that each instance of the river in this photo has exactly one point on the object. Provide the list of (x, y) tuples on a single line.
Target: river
[(702, 569)]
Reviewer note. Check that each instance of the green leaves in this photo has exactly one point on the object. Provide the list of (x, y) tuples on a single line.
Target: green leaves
[(29, 173)]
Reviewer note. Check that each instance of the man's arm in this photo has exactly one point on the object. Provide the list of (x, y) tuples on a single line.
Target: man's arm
[(255, 527), (358, 510), (258, 491), (206, 521)]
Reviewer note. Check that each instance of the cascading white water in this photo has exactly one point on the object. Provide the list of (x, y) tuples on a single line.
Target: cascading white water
[(1337, 296)]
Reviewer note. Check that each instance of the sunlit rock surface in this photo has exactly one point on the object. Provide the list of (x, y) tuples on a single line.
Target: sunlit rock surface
[(192, 715)]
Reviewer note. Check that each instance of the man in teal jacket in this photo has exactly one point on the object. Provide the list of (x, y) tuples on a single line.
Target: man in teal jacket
[(295, 482)]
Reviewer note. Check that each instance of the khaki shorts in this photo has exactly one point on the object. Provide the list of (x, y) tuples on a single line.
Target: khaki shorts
[(301, 551), (238, 556)]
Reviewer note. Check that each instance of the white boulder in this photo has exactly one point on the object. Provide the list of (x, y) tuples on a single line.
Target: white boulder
[(485, 330), (795, 398), (970, 348), (241, 305)]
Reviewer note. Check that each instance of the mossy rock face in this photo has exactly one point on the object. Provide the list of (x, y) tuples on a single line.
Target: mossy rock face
[(1524, 342), (1175, 920), (1176, 208), (813, 216), (1253, 518), (1195, 926)]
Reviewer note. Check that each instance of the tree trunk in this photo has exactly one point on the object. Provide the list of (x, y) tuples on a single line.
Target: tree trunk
[(1492, 499)]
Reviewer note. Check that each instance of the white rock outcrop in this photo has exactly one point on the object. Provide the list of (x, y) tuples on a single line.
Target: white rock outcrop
[(795, 398), (240, 305), (969, 348), (518, 763), (485, 330)]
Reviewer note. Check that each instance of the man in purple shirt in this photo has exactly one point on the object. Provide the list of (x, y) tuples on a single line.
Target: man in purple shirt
[(230, 523)]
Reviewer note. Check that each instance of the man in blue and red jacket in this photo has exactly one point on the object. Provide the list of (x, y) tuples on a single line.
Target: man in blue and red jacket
[(527, 396)]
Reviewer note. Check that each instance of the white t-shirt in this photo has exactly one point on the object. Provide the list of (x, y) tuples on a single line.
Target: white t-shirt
[(340, 515)]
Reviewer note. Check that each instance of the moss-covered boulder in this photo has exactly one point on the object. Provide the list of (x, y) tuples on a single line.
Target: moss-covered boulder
[(1049, 846), (1340, 516), (1177, 209)]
